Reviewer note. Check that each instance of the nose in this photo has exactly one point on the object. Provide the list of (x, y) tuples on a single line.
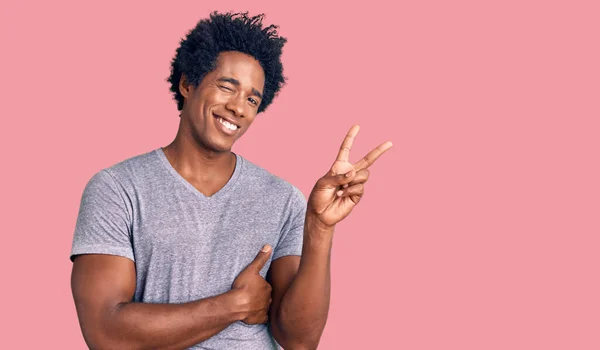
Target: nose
[(236, 105)]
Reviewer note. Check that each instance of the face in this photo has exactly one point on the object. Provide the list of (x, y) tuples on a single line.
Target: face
[(224, 105)]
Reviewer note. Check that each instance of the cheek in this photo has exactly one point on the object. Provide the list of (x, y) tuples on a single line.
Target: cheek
[(217, 96), (246, 126), (211, 98), (251, 116)]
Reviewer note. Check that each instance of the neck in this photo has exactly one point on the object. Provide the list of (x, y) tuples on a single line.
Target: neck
[(192, 159)]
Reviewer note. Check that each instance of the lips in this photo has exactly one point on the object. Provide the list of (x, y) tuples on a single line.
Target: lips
[(227, 120), (226, 125)]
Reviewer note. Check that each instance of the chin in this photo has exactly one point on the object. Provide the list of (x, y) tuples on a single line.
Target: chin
[(219, 147), (212, 144)]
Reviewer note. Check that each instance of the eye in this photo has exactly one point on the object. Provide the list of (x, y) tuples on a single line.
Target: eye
[(253, 101), (226, 88)]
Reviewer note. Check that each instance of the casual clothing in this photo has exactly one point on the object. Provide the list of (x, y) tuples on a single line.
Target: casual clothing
[(187, 246)]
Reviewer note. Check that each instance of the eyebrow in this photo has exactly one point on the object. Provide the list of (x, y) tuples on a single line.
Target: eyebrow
[(237, 83)]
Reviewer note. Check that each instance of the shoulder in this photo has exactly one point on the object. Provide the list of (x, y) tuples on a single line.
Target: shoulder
[(265, 181), (136, 166), (123, 172)]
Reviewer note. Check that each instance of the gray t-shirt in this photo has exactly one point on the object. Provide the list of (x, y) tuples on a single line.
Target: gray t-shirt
[(187, 246)]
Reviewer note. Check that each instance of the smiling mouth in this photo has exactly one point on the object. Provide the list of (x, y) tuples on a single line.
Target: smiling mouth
[(227, 124)]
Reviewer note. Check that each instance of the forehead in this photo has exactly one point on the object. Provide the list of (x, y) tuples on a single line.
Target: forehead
[(242, 67)]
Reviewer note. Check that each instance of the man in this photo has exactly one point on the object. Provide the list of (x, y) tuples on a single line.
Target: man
[(193, 246)]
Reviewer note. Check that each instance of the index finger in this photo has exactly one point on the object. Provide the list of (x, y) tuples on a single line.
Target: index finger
[(344, 152), (370, 158)]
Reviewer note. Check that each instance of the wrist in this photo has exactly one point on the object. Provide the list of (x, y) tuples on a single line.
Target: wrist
[(314, 224), (316, 233)]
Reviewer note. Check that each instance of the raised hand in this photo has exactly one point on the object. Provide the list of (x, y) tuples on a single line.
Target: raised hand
[(256, 290), (337, 192)]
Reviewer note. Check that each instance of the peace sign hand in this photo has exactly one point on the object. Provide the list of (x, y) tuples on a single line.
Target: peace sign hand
[(337, 192)]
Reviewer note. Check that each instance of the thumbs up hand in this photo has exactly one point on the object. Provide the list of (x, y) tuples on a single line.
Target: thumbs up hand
[(255, 290)]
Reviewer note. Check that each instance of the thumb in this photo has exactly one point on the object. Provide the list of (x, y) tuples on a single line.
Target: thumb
[(261, 259)]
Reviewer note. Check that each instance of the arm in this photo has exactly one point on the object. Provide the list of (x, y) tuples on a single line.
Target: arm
[(301, 291), (103, 287), (301, 287)]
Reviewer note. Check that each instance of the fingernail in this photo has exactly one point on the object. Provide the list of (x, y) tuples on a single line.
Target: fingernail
[(340, 193), (348, 174), (266, 248)]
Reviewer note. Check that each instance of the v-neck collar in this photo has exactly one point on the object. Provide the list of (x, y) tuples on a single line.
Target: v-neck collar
[(220, 193)]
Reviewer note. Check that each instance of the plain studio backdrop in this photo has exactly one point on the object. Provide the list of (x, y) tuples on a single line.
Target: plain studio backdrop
[(479, 229)]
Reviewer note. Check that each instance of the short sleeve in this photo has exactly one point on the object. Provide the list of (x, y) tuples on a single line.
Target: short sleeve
[(103, 223), (292, 233)]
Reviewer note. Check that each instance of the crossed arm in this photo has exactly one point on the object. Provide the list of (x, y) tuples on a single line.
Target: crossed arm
[(103, 287)]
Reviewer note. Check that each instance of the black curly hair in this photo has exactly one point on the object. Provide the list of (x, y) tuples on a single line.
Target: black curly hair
[(198, 51)]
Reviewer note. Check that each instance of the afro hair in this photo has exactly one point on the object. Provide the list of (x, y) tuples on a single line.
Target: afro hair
[(198, 51)]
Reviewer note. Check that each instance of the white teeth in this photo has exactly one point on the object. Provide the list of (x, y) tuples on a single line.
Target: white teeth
[(227, 124)]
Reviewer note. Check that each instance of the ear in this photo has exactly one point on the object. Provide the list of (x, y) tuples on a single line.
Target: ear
[(184, 86)]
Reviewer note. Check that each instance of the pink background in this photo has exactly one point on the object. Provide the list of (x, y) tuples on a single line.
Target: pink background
[(479, 229)]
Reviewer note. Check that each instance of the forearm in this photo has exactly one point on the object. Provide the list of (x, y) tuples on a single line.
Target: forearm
[(302, 314), (167, 326)]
